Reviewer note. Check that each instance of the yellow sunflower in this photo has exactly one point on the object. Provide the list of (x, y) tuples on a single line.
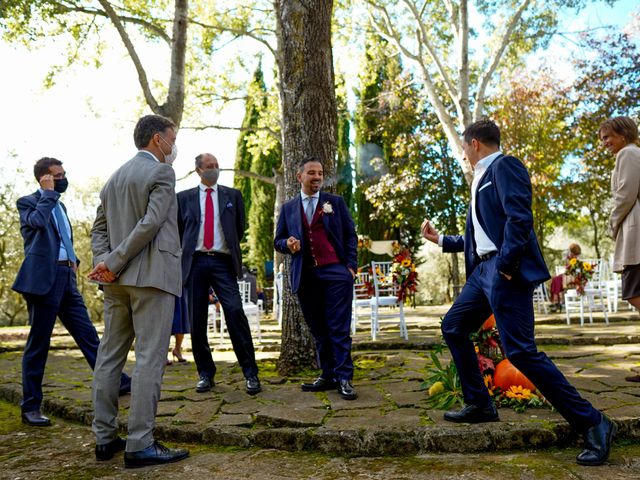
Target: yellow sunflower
[(573, 261), (406, 262), (586, 266), (518, 392)]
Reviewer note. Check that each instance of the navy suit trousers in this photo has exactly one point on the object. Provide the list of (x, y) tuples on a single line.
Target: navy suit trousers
[(326, 296), (511, 302), (63, 301), (218, 272)]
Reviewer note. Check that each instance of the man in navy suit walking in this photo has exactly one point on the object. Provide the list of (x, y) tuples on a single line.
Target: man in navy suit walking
[(47, 280), (211, 223), (504, 264), (317, 230)]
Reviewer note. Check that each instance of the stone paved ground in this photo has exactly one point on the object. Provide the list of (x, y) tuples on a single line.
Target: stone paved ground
[(390, 416), (65, 451)]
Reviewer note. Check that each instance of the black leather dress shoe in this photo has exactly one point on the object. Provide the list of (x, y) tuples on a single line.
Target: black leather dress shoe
[(35, 419), (346, 390), (319, 385), (205, 384), (106, 451), (154, 455), (632, 378), (253, 385), (597, 443), (473, 414)]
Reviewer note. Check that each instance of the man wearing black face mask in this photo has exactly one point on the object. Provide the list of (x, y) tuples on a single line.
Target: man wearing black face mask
[(47, 280), (211, 222)]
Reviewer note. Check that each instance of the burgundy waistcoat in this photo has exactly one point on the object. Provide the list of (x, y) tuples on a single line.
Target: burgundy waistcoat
[(317, 250)]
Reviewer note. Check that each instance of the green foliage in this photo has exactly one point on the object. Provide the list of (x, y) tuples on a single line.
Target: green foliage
[(607, 84), (534, 112), (447, 392), (13, 309), (344, 168), (262, 155)]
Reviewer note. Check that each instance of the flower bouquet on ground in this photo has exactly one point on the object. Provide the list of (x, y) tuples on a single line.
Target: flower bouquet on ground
[(580, 272), (506, 384), (404, 274)]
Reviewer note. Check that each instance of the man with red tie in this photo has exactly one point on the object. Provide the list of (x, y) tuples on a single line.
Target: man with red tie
[(211, 221)]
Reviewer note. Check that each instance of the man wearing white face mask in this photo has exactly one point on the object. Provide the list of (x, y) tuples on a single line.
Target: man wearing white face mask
[(211, 221), (136, 253)]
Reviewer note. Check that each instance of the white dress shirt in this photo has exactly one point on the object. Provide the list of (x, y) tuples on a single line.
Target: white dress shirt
[(484, 245), (315, 198), (219, 242)]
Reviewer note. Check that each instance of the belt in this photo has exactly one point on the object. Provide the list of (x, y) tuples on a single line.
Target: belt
[(211, 253), (66, 263), (487, 256)]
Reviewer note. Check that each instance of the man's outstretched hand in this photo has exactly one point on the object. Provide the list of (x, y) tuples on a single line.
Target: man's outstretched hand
[(429, 232), (102, 274)]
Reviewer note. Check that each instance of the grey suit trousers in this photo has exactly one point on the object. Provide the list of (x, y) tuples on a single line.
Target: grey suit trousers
[(146, 314)]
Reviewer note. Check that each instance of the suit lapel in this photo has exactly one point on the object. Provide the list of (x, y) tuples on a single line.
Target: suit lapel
[(325, 218), (296, 218), (194, 203)]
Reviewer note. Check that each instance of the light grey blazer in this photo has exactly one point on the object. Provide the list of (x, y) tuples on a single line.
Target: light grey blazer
[(624, 220), (136, 232)]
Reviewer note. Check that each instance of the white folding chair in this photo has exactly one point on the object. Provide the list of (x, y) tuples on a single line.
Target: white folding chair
[(251, 310), (540, 299), (277, 300), (385, 294), (361, 298)]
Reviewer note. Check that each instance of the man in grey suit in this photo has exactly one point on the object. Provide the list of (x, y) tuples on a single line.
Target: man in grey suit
[(136, 251)]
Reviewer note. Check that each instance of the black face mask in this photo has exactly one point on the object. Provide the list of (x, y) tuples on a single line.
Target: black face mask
[(60, 185)]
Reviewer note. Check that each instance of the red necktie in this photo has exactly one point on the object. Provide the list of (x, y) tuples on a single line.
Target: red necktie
[(208, 220)]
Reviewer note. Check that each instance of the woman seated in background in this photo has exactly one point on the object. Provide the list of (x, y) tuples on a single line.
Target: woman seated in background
[(560, 283)]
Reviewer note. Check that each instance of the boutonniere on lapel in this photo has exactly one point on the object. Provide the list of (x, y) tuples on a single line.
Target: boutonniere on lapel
[(327, 208), (229, 205)]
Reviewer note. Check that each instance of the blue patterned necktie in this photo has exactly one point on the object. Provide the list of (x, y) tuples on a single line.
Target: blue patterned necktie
[(309, 210), (64, 234)]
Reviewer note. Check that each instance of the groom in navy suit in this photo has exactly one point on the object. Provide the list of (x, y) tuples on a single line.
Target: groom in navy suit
[(47, 280), (504, 264), (317, 230)]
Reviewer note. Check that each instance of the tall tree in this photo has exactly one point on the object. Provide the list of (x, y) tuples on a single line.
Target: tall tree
[(381, 117), (456, 64), (308, 106), (344, 168)]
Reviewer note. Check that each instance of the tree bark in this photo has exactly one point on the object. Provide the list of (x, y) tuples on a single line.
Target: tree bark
[(309, 121)]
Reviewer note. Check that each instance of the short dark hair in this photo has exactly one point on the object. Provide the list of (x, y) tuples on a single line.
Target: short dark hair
[(306, 160), (485, 131), (42, 166), (199, 159), (624, 126), (148, 126)]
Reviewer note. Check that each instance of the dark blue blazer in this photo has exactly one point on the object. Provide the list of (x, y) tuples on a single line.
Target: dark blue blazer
[(503, 207), (37, 273), (232, 218), (339, 226)]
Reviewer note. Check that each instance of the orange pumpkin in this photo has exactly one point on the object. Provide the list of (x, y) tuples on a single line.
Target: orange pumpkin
[(489, 323), (507, 374)]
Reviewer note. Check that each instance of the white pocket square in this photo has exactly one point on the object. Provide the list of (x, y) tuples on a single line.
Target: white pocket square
[(484, 186)]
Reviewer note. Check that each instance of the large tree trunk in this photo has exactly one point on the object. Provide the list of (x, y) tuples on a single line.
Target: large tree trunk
[(309, 119)]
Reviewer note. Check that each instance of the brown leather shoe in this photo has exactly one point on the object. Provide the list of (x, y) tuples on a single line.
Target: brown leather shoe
[(632, 378)]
